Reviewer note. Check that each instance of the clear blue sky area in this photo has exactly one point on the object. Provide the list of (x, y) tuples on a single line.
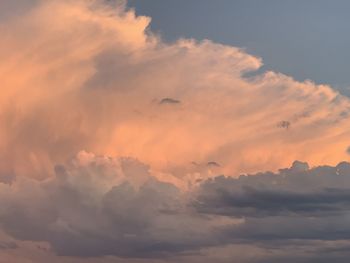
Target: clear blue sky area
[(305, 39)]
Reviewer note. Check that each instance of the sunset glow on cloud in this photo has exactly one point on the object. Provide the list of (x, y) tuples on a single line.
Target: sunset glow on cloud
[(112, 141)]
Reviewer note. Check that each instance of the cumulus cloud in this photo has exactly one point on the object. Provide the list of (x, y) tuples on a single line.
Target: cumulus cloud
[(158, 122), (303, 207), (294, 191), (90, 75), (98, 206)]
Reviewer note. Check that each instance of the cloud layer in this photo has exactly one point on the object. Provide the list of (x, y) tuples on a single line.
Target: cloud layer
[(87, 75), (98, 206), (111, 143)]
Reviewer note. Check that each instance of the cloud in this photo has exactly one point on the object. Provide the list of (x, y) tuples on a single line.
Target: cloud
[(294, 205), (284, 124), (85, 74), (10, 9), (294, 191), (98, 206), (169, 101), (88, 75), (8, 245), (213, 164)]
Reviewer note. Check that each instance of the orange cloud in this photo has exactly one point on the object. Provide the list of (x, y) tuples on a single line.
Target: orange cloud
[(80, 75)]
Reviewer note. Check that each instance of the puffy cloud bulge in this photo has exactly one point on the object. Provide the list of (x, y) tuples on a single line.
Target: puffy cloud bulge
[(98, 206), (88, 75)]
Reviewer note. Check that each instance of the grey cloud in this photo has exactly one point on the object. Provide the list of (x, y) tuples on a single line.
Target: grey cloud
[(97, 206), (291, 191), (284, 124), (8, 245), (297, 205), (11, 8), (213, 164), (296, 215), (169, 101)]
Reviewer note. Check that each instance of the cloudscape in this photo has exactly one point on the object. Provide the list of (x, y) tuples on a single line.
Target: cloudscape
[(119, 146)]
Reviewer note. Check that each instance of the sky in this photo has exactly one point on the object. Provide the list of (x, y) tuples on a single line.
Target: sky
[(156, 135), (303, 39)]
